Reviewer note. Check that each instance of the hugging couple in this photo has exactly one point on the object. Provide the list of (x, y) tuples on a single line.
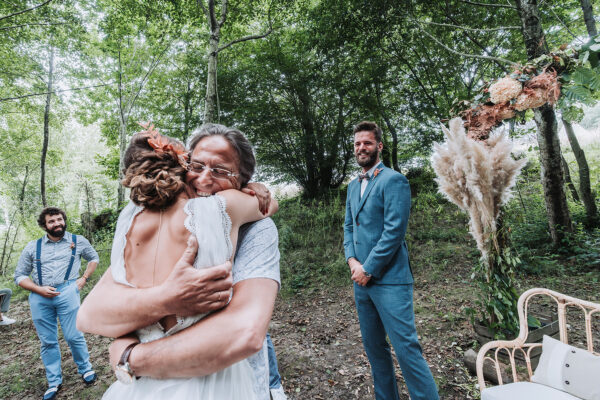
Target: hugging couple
[(171, 275)]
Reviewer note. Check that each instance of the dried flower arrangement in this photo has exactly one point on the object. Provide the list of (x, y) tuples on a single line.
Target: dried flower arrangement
[(508, 96)]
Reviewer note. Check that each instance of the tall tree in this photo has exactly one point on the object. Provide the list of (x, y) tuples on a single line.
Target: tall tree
[(587, 196), (547, 132), (46, 125), (216, 19)]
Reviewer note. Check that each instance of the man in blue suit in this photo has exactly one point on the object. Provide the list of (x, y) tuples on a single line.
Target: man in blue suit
[(377, 210)]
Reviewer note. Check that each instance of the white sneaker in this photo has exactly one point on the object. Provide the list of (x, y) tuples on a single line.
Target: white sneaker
[(7, 321), (278, 394)]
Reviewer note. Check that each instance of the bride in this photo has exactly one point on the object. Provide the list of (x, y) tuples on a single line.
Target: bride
[(151, 233)]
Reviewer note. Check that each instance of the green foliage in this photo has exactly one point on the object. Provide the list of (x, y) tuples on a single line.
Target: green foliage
[(311, 243), (497, 296)]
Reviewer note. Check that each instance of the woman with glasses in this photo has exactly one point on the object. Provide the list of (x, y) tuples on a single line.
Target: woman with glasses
[(151, 234)]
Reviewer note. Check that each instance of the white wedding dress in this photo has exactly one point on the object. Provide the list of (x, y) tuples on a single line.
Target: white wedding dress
[(209, 222)]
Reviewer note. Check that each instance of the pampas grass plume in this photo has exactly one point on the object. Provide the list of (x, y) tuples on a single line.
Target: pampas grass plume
[(477, 176)]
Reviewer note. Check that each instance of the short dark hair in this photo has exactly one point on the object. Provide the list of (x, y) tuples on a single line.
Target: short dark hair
[(369, 126), (50, 211), (246, 160)]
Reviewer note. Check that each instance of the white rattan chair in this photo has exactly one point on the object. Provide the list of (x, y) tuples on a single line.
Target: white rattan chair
[(510, 348)]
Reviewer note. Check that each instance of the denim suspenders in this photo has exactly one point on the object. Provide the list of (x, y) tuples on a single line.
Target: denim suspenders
[(38, 258)]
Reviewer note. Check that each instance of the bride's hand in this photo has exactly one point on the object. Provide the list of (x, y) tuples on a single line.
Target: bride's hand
[(189, 291), (262, 194)]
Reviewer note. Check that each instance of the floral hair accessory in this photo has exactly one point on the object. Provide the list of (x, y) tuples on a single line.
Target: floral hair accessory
[(161, 144), (376, 172)]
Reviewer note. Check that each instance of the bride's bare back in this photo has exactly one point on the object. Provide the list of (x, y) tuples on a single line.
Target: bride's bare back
[(151, 253), (157, 239)]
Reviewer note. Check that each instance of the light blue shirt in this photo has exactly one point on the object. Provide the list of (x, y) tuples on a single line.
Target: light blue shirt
[(55, 260), (257, 256)]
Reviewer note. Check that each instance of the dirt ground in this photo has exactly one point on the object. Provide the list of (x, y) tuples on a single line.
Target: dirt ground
[(317, 339)]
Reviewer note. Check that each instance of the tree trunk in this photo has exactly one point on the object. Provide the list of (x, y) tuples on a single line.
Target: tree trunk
[(550, 155), (568, 180), (588, 16), (552, 178), (7, 250), (394, 148), (531, 27), (210, 103), (5, 246), (122, 135), (46, 128), (12, 244), (587, 196), (122, 148)]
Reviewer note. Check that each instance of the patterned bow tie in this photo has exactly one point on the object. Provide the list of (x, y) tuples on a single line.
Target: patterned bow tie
[(364, 176)]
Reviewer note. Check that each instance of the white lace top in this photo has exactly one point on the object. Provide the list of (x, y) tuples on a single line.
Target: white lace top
[(208, 220)]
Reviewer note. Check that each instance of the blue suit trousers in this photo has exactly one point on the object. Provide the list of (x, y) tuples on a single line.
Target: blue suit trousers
[(389, 309), (45, 312)]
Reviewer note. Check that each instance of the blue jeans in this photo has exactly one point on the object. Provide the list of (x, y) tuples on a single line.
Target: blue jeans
[(5, 300), (388, 309), (274, 377), (44, 312)]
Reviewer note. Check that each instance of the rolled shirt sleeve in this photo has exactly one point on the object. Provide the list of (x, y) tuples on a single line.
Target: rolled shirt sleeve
[(25, 263), (87, 251), (257, 253)]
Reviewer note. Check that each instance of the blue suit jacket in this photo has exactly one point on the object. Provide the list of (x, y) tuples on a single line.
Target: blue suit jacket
[(375, 227)]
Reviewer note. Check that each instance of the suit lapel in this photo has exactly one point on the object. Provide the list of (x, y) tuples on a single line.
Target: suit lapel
[(355, 196)]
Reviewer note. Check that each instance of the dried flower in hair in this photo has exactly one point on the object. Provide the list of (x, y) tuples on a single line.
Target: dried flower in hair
[(161, 144), (505, 90)]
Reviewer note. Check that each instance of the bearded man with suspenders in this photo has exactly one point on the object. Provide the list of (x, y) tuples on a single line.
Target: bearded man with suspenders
[(53, 261)]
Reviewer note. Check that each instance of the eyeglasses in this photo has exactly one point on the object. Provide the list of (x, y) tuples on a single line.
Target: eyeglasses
[(217, 173)]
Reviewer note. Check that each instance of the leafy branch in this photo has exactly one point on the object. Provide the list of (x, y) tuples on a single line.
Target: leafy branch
[(52, 92), (24, 11), (466, 55)]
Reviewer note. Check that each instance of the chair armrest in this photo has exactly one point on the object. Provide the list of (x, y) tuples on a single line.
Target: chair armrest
[(511, 347)]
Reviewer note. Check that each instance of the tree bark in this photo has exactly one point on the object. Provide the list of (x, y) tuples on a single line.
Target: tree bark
[(5, 246), (122, 136), (568, 180), (588, 16), (547, 134), (557, 209), (210, 103), (394, 148), (7, 250), (587, 196), (122, 148), (46, 128)]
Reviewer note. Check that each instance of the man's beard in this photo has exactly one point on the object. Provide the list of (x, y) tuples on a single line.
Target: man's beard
[(370, 161), (59, 231)]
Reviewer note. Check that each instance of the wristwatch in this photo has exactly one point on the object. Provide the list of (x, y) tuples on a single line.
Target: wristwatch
[(123, 370)]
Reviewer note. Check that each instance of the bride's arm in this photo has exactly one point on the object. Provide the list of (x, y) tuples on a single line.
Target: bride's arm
[(113, 310), (243, 208), (218, 341)]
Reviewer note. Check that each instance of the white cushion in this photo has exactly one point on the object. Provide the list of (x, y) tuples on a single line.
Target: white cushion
[(524, 391), (570, 369)]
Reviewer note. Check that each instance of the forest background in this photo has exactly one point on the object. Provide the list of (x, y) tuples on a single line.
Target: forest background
[(295, 75)]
